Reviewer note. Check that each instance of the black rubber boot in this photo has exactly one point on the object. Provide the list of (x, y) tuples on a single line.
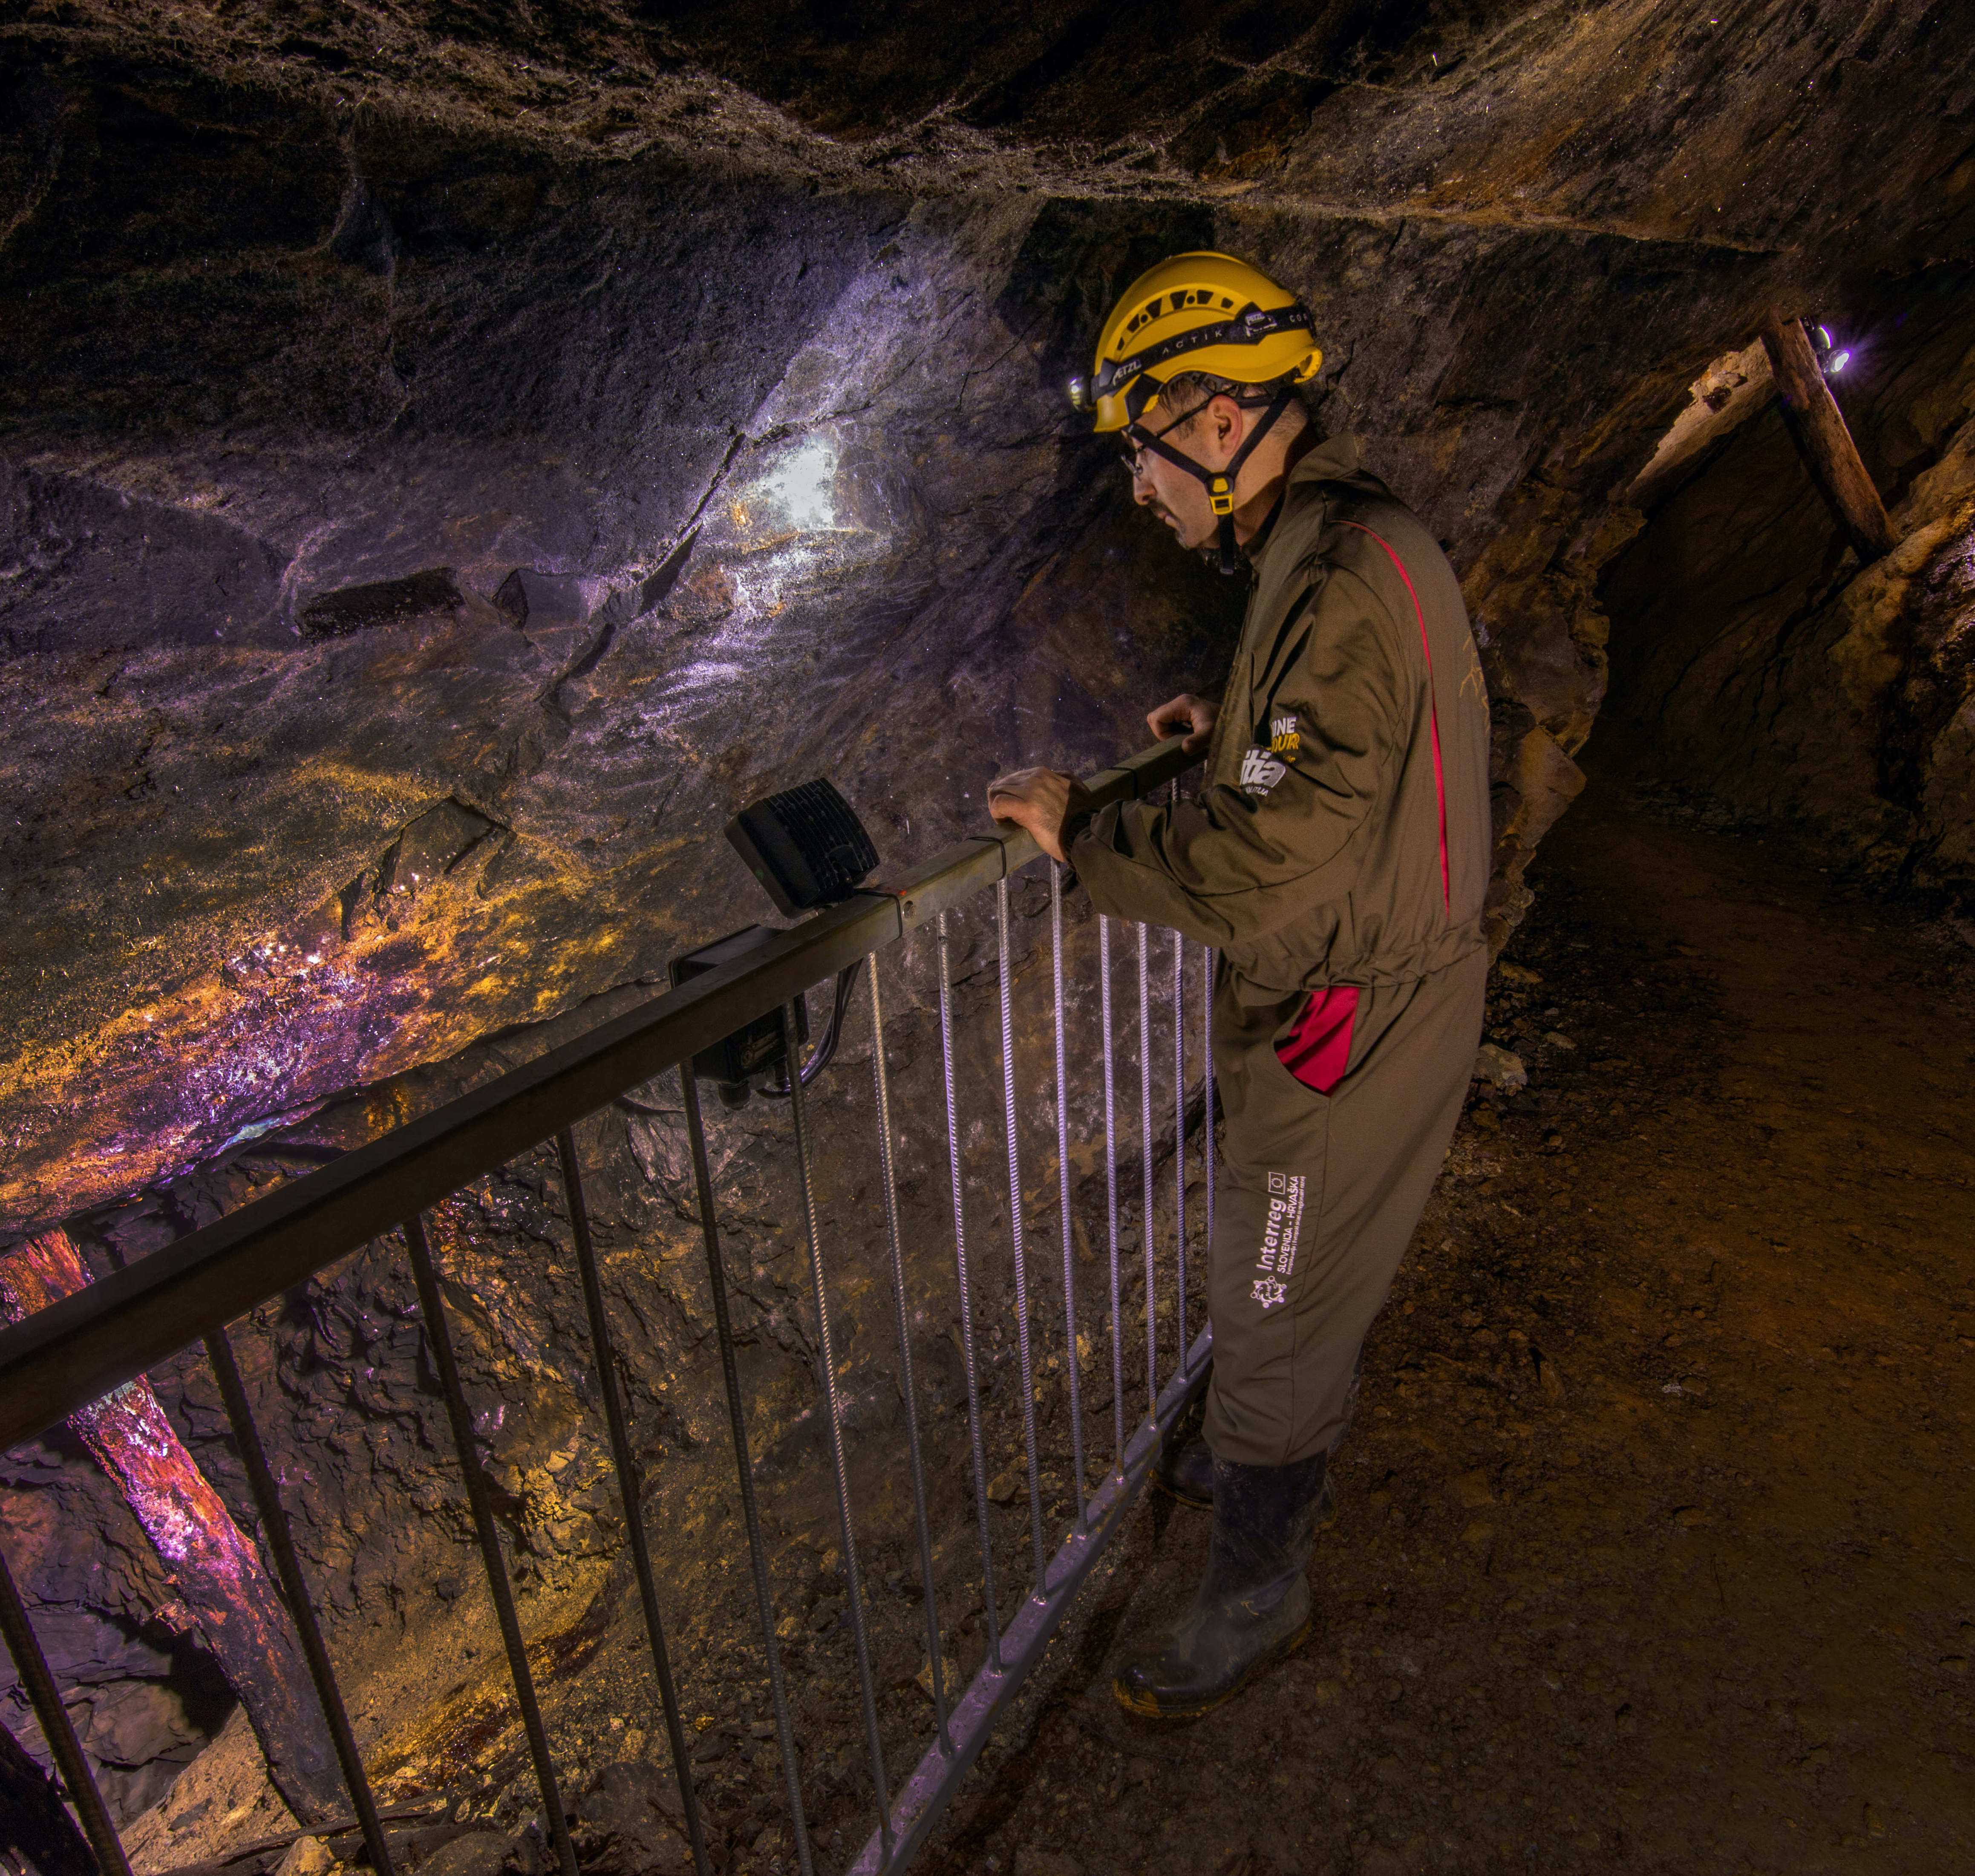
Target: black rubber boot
[(1185, 1474), (1253, 1605), (1186, 1471)]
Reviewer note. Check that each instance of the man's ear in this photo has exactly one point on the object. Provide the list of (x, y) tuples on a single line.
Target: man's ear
[(1225, 415)]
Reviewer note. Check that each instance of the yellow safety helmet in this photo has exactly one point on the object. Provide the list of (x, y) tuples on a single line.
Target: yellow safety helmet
[(1196, 312), (1207, 313)]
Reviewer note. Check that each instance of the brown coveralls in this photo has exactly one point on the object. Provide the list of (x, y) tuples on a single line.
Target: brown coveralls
[(1338, 859)]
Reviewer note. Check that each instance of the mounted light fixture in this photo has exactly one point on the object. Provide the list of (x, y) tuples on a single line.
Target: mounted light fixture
[(806, 845), (1832, 357), (808, 849)]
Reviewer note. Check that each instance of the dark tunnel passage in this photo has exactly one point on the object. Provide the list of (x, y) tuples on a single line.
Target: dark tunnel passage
[(452, 459)]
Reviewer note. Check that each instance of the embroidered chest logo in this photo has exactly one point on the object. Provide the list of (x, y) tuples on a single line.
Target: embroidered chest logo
[(1261, 769)]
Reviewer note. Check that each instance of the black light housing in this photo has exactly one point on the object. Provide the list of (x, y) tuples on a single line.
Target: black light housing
[(808, 849), (753, 1055), (806, 845)]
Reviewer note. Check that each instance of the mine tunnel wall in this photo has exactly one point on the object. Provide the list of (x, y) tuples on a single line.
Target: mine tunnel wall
[(422, 541), (420, 535), (1753, 660)]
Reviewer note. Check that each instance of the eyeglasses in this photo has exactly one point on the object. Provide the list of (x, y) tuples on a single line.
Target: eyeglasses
[(1133, 454)]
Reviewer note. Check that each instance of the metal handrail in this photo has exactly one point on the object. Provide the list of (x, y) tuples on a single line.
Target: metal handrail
[(77, 1350)]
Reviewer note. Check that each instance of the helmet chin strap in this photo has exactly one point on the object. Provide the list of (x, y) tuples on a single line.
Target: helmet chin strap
[(1220, 483)]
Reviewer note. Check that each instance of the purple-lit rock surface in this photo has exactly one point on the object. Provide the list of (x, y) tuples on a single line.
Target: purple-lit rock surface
[(446, 472)]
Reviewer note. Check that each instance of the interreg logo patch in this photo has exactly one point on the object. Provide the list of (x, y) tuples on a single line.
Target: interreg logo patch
[(1281, 1235)]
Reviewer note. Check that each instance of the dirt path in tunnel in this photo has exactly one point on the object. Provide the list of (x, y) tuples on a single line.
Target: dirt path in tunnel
[(1655, 1550)]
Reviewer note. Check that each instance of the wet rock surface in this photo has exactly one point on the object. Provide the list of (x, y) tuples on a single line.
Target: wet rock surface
[(587, 423)]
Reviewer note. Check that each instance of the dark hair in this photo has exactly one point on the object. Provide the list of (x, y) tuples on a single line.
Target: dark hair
[(1188, 390)]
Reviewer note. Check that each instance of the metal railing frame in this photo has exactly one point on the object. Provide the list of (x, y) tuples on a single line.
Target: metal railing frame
[(73, 1353)]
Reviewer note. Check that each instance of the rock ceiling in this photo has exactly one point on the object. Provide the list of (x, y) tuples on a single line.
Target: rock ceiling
[(453, 455)]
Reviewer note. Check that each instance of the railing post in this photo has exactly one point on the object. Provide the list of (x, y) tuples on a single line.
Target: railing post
[(1206, 1102), (751, 1511), (1062, 1195), (629, 1486), (1024, 1358), (833, 1428), (1146, 1165), (1179, 1129), (1110, 1183), (57, 1729), (902, 1308), (294, 1586), (968, 1352), (439, 1339)]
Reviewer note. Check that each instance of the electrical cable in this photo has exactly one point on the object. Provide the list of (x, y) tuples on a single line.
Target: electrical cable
[(821, 1056)]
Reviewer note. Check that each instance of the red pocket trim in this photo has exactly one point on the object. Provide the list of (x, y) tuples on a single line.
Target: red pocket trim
[(1318, 1050)]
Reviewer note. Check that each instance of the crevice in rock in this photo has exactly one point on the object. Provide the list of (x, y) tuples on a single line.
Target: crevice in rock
[(337, 614)]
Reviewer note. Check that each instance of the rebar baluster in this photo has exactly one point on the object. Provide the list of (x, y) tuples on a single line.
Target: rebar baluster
[(1145, 1149), (630, 1485), (832, 1408), (751, 1511), (1206, 1102), (1025, 1360), (975, 1439), (439, 1340), (1063, 1197), (280, 1539), (905, 1382), (1179, 1122), (58, 1730), (1179, 1119), (1111, 1184)]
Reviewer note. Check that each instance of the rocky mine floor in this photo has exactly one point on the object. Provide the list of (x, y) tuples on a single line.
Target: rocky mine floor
[(1656, 1527), (1655, 1536)]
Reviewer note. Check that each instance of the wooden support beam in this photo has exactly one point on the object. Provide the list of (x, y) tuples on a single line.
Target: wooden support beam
[(1822, 440), (213, 1564), (36, 1831)]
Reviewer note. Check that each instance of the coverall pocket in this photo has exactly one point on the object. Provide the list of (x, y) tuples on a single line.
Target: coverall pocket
[(1317, 1050)]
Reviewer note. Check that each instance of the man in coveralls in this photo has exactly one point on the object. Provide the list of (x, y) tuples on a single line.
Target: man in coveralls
[(1337, 856)]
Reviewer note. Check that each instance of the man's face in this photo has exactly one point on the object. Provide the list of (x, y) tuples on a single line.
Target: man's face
[(1178, 499)]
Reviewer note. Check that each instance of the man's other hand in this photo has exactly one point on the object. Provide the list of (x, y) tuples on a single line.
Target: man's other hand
[(1187, 715), (1041, 800)]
